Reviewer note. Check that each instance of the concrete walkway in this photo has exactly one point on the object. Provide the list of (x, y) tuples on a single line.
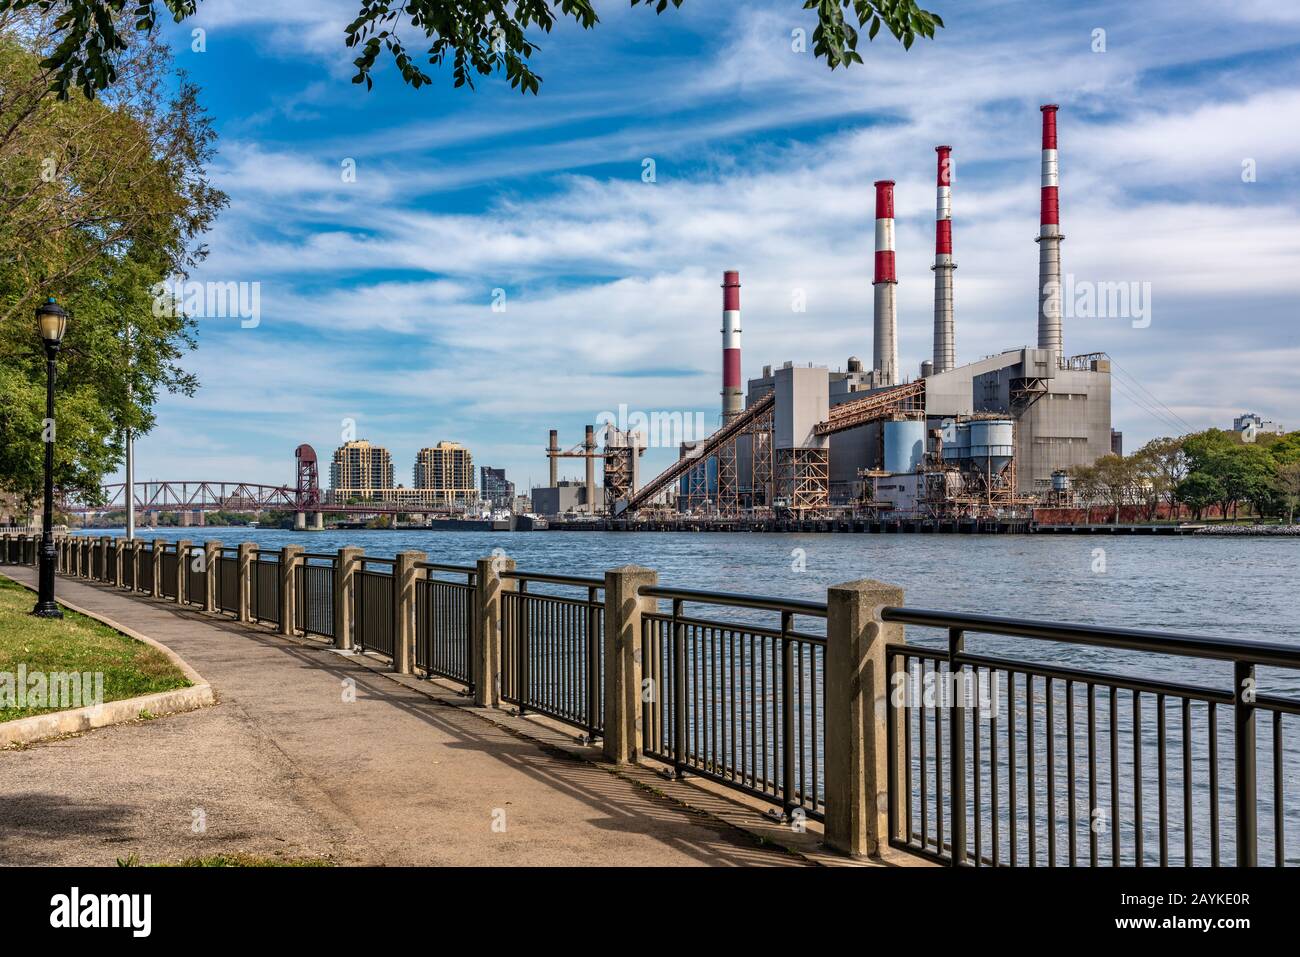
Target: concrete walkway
[(283, 764)]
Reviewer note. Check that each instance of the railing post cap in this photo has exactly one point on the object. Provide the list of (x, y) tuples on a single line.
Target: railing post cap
[(631, 570)]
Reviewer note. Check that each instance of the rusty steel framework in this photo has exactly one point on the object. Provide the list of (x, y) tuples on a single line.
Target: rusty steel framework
[(801, 477), (803, 480), (619, 468)]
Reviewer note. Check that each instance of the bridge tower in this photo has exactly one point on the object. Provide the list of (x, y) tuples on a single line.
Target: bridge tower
[(307, 490)]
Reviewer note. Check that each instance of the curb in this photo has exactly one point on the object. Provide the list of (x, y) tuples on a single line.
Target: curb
[(40, 727)]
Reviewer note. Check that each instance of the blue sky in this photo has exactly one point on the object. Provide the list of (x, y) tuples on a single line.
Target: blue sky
[(376, 295)]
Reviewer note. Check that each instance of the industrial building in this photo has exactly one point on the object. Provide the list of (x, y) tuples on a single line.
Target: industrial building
[(978, 440)]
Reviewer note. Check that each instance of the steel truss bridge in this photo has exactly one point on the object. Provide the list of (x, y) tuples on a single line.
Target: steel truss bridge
[(206, 496)]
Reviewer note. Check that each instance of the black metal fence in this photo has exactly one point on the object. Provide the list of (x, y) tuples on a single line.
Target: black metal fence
[(552, 649), (264, 587), (372, 613), (169, 564), (445, 616), (1007, 762), (227, 569), (314, 592), (196, 577), (737, 702)]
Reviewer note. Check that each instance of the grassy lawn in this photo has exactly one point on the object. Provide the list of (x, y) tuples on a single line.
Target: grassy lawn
[(76, 644)]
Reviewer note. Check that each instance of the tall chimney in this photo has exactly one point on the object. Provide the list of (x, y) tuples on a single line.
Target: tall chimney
[(886, 327), (945, 344), (732, 402), (552, 452), (589, 446), (1049, 242)]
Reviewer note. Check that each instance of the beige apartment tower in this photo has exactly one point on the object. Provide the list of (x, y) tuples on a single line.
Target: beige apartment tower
[(360, 471), (447, 470)]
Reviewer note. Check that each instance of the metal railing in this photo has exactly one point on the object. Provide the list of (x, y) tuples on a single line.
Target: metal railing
[(996, 761), (170, 562), (445, 617), (227, 569), (372, 614), (314, 594), (737, 702), (196, 578), (147, 559), (264, 587), (552, 649)]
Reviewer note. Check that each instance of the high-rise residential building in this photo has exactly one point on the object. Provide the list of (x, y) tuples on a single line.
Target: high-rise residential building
[(360, 471), (495, 487), (1116, 442), (446, 470)]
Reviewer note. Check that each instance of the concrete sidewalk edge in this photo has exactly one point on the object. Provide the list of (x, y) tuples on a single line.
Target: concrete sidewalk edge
[(40, 727)]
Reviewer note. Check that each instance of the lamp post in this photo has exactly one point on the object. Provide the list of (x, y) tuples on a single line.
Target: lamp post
[(53, 322)]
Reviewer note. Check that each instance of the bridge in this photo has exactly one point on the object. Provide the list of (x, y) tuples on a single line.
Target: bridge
[(192, 499)]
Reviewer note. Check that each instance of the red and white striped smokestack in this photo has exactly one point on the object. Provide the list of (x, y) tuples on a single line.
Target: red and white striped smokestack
[(732, 401), (1049, 242), (945, 345), (885, 333)]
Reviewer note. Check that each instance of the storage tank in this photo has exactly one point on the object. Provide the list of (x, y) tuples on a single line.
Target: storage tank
[(992, 444), (1060, 481), (958, 450), (904, 445)]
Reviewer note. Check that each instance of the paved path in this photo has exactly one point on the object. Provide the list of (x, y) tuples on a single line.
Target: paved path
[(283, 764)]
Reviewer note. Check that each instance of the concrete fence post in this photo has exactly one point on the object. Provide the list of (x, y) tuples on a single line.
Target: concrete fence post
[(485, 642), (623, 610), (155, 586), (182, 569), (404, 577), (247, 555), (345, 570), (4, 543), (105, 547), (290, 559), (137, 559), (119, 563), (857, 699), (211, 569)]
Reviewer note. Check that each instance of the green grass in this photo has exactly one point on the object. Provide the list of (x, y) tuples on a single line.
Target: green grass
[(233, 860), (80, 644)]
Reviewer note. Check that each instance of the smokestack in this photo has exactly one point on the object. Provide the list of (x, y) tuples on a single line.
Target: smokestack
[(589, 446), (886, 326), (553, 449), (945, 344), (1049, 242), (732, 402)]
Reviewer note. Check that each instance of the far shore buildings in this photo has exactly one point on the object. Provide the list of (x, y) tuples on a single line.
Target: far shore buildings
[(443, 476), (496, 488)]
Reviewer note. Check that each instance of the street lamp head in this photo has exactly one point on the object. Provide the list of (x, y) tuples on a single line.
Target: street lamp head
[(53, 322)]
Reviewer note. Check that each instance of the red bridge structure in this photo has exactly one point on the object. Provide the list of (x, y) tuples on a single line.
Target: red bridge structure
[(193, 499)]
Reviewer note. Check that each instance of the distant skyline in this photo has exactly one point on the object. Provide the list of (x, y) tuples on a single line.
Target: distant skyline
[(1178, 163)]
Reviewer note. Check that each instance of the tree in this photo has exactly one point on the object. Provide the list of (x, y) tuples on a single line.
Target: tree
[(99, 201), (1245, 473), (1198, 491), (1162, 464), (479, 36), (1288, 486), (1116, 478)]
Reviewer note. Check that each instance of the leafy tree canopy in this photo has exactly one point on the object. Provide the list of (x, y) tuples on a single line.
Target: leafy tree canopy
[(99, 201), (482, 37)]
